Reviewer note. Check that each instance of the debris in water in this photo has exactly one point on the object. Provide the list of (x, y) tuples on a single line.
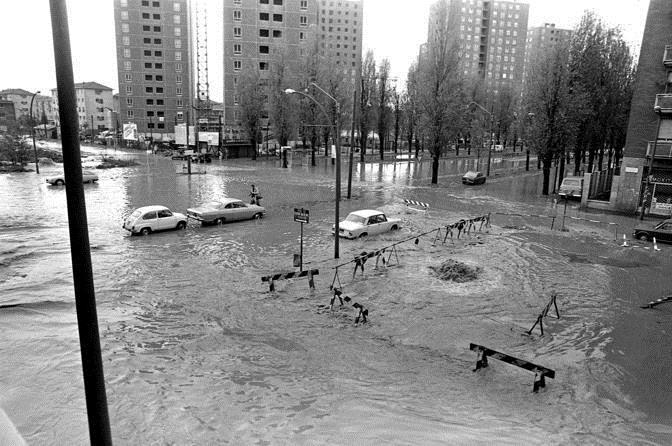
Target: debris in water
[(455, 271)]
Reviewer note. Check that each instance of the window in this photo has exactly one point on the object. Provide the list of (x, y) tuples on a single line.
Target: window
[(149, 89), (178, 78), (304, 4), (148, 65), (159, 90), (237, 15), (156, 16), (124, 15), (263, 49), (277, 33), (127, 52), (177, 7), (124, 27), (303, 20), (126, 40), (123, 3), (178, 43), (145, 15), (145, 3), (180, 116), (149, 102), (237, 64), (238, 31), (302, 36), (177, 19), (158, 66), (178, 91), (147, 53), (236, 99), (157, 29), (263, 2), (157, 41), (263, 66), (178, 67), (178, 55), (147, 40), (159, 102), (264, 16), (277, 2), (129, 114), (129, 89), (177, 31), (158, 54), (156, 4), (277, 17), (180, 104), (129, 102), (148, 77), (237, 49), (158, 78), (264, 33), (146, 27)]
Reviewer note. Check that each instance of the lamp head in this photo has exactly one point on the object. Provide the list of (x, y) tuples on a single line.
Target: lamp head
[(289, 91)]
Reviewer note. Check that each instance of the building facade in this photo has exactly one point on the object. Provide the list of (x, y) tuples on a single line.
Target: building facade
[(7, 115), (154, 64), (339, 35), (21, 99), (540, 39), (93, 100), (650, 123), (492, 39)]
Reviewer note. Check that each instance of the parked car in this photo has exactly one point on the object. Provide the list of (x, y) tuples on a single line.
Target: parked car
[(229, 209), (571, 187), (366, 222), (662, 231), (148, 219), (59, 179), (473, 177)]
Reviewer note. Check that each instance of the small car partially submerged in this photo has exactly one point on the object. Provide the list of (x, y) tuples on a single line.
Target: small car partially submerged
[(571, 187), (662, 231), (59, 179), (366, 222), (229, 209), (148, 219), (473, 177)]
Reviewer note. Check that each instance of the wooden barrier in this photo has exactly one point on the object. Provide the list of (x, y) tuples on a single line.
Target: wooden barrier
[(291, 275), (540, 372), (544, 313), (662, 300)]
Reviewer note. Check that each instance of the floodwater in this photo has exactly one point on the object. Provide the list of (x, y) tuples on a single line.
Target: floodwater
[(197, 351)]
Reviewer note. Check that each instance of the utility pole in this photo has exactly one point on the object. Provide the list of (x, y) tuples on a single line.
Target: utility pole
[(352, 142), (91, 129), (32, 132)]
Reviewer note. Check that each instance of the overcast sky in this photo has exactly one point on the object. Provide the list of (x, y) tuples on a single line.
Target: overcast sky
[(392, 29)]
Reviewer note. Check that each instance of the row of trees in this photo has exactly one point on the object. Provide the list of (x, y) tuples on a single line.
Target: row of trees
[(576, 99)]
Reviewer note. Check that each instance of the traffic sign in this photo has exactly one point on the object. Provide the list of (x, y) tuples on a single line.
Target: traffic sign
[(302, 215)]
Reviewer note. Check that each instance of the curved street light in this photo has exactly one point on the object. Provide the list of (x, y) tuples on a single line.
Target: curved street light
[(337, 137), (32, 131)]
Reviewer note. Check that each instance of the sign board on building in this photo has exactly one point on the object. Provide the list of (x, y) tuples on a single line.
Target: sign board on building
[(631, 169), (212, 138), (301, 215), (131, 131), (181, 135), (333, 151)]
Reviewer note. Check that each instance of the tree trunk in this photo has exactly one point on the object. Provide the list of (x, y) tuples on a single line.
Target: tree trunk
[(561, 175), (600, 157), (417, 147), (435, 167), (547, 177), (362, 145), (381, 147), (254, 148), (577, 161), (313, 147), (591, 159)]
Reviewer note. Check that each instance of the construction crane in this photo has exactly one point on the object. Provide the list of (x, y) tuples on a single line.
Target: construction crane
[(203, 105)]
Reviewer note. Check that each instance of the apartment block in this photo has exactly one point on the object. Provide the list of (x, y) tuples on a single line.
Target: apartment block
[(92, 101), (540, 39), (492, 37), (7, 115), (21, 99), (339, 36), (154, 64)]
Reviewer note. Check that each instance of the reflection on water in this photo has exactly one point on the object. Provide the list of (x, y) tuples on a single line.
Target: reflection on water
[(197, 351)]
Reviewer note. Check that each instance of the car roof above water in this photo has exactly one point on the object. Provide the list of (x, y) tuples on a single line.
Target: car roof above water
[(366, 213), (153, 207)]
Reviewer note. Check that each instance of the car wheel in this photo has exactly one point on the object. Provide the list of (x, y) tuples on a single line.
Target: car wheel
[(363, 234), (181, 225), (394, 228), (145, 231), (219, 221), (258, 216), (643, 236), (59, 183)]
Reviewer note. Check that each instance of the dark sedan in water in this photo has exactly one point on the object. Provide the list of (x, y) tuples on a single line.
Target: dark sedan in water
[(662, 231), (473, 177)]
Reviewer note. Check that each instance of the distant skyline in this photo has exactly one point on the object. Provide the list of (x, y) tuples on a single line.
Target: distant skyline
[(392, 29)]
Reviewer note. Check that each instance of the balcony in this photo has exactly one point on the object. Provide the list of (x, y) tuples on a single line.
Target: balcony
[(663, 103), (667, 56), (663, 149)]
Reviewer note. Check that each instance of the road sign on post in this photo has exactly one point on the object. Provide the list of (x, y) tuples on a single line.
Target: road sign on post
[(302, 216)]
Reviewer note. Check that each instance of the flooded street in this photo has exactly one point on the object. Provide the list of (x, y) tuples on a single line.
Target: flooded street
[(197, 351)]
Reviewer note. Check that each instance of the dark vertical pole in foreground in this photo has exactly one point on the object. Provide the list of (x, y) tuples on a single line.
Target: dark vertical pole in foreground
[(85, 299), (352, 142)]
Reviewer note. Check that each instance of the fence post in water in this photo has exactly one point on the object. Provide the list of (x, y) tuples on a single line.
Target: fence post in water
[(85, 298)]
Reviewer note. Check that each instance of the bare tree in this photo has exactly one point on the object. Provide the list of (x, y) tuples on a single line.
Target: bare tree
[(383, 97), (441, 98), (252, 103), (367, 94), (280, 112)]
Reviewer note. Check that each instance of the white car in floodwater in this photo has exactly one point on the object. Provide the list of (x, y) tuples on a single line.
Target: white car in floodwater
[(366, 222), (59, 179), (148, 219)]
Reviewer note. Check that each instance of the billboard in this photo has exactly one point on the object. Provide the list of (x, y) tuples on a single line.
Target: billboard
[(131, 131), (181, 135), (212, 138)]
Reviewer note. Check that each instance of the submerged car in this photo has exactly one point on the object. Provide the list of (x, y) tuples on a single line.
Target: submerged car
[(148, 219), (662, 231), (571, 187), (366, 222), (229, 209), (473, 177), (59, 179)]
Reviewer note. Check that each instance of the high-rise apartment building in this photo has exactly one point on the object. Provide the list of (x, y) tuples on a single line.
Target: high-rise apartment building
[(257, 33), (540, 39), (492, 37), (154, 64), (93, 100), (339, 35)]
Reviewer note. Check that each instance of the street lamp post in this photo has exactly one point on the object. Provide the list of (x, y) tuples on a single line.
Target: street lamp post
[(32, 131), (647, 190), (338, 154)]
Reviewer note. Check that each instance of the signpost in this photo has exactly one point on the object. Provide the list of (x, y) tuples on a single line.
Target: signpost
[(302, 216)]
